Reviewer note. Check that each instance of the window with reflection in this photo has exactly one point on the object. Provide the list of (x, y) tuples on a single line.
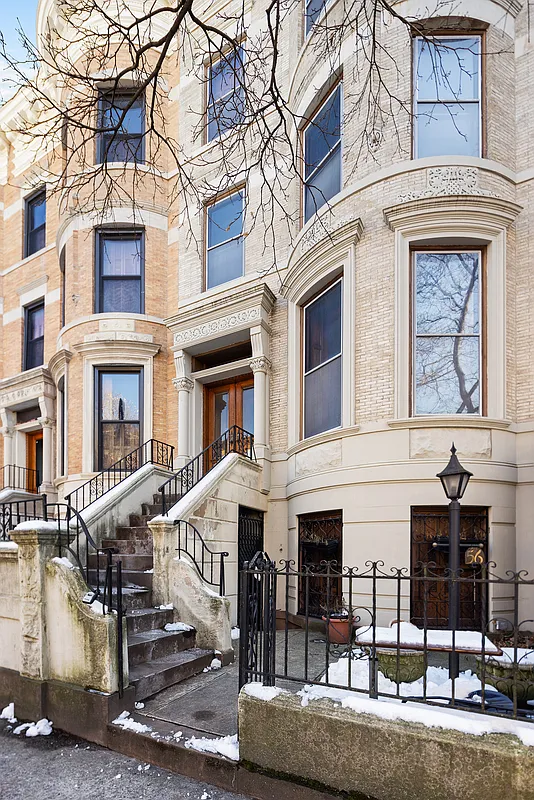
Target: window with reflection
[(447, 332), (322, 154), (447, 75), (313, 11), (118, 415), (122, 120), (225, 243), (322, 361), (34, 335), (226, 93), (35, 223), (120, 272)]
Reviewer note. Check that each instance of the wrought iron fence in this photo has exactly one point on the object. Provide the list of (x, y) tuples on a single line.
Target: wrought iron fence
[(15, 477), (150, 452), (17, 511), (364, 640), (209, 563), (234, 440)]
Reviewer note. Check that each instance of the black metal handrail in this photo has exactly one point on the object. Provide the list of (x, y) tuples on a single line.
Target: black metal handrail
[(234, 440), (207, 561), (150, 452), (17, 511), (15, 477)]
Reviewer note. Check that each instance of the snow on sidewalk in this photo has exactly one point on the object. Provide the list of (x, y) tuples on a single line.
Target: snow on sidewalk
[(225, 746)]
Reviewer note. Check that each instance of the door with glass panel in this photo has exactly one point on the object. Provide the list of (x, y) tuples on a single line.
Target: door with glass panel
[(226, 405), (119, 411)]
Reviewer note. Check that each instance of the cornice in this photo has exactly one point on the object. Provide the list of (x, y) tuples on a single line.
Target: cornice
[(464, 209), (115, 348), (466, 421), (28, 385), (206, 319)]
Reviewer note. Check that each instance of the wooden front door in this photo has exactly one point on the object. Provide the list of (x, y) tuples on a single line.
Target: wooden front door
[(228, 404), (34, 460)]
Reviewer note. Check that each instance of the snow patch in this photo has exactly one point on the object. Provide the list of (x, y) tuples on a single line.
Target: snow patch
[(139, 706), (42, 727), (36, 525), (64, 561), (227, 746), (235, 633), (168, 607), (261, 692), (407, 634), (521, 656), (9, 713), (8, 546), (124, 721), (178, 626)]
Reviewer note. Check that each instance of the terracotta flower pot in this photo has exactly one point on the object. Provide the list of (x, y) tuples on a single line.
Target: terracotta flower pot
[(338, 630)]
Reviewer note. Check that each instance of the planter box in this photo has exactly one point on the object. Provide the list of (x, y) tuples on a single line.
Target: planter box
[(404, 667), (503, 675)]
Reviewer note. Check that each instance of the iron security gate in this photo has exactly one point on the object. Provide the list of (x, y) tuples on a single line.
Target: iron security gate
[(249, 538), (430, 547)]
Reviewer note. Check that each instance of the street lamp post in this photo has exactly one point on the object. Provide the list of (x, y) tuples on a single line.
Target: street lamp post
[(454, 479)]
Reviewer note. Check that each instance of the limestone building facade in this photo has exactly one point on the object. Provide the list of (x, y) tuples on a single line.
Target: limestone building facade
[(398, 318)]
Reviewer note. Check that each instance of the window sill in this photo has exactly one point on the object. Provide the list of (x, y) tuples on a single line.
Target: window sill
[(321, 438), (28, 259), (450, 421)]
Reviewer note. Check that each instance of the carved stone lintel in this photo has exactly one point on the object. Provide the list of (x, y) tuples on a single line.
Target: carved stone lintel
[(260, 364), (448, 180), (183, 384), (218, 326)]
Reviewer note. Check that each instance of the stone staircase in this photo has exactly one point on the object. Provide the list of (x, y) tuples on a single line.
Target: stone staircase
[(156, 658)]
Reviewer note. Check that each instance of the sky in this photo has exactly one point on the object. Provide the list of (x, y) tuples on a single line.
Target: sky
[(15, 14)]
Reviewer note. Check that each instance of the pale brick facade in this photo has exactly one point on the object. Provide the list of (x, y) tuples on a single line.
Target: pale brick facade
[(382, 460)]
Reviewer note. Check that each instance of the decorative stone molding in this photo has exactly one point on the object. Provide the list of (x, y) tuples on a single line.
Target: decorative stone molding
[(261, 364), (118, 336), (29, 385), (5, 431), (183, 384), (319, 229), (46, 422), (453, 214), (447, 181), (217, 326), (224, 314), (116, 325)]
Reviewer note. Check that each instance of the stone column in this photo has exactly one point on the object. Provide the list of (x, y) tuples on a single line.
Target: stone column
[(8, 432), (36, 547), (261, 368), (47, 425), (184, 387)]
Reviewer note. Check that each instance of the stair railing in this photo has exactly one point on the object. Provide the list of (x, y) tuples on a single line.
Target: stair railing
[(150, 452), (14, 477), (234, 440), (16, 511), (209, 563)]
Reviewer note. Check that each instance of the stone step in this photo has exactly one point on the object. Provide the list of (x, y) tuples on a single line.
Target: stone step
[(130, 546), (153, 676), (130, 577), (151, 509), (133, 532), (170, 499), (137, 561), (157, 644), (140, 620), (140, 520), (133, 598)]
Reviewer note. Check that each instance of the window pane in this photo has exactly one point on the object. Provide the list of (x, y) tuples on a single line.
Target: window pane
[(119, 397), (324, 184), (36, 322), (447, 293), (37, 211), (323, 328), (313, 9), (447, 374), (118, 440), (323, 133), (248, 409), (121, 256), (221, 413), (448, 129), (322, 398), (226, 75), (113, 108), (225, 219), (36, 240), (122, 148), (122, 296), (35, 354), (448, 70), (226, 113), (225, 262)]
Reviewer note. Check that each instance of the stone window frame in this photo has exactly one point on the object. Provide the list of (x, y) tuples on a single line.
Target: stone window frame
[(480, 221)]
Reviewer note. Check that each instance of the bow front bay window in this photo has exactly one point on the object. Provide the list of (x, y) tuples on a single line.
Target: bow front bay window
[(118, 414), (120, 272), (322, 361), (313, 11), (447, 90), (122, 119), (447, 332), (225, 239), (322, 155), (226, 93)]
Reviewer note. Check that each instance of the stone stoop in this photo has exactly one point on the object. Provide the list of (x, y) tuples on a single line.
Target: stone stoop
[(157, 658)]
